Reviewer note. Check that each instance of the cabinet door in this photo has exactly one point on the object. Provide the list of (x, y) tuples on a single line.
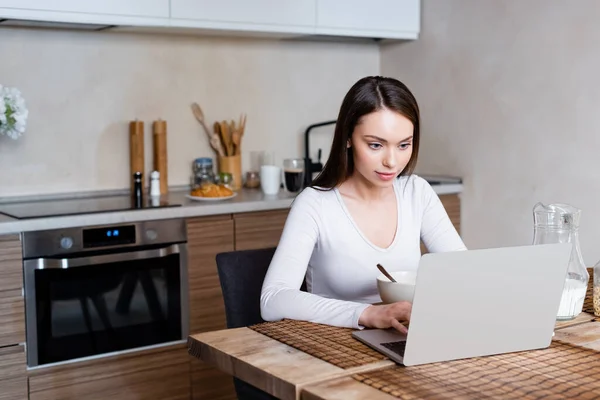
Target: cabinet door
[(208, 236), (139, 8), (369, 18), (13, 373), (272, 15), (161, 373), (258, 230), (12, 316)]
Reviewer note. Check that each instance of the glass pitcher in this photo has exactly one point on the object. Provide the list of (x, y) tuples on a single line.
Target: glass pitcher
[(559, 223)]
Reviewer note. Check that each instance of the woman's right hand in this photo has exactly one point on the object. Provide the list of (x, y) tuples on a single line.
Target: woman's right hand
[(387, 316)]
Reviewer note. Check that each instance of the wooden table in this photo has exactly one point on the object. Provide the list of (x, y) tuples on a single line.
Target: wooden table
[(288, 373), (272, 366)]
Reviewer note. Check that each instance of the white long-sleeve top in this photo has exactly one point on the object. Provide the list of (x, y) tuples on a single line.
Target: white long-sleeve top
[(321, 240)]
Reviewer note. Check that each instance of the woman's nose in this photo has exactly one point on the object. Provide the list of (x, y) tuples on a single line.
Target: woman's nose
[(389, 160)]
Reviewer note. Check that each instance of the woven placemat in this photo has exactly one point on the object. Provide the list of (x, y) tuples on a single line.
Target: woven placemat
[(562, 371), (332, 344)]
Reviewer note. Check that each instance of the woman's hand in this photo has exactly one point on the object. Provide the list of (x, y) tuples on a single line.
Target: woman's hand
[(387, 316)]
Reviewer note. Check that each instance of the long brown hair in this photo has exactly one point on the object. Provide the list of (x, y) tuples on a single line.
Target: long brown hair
[(368, 95)]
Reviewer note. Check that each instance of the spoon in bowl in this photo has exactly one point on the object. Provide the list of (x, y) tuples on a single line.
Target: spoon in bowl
[(387, 274)]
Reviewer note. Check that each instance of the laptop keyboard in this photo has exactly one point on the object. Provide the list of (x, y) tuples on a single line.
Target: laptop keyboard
[(397, 347)]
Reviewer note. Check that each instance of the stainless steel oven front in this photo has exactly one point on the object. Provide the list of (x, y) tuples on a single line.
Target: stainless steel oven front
[(96, 291)]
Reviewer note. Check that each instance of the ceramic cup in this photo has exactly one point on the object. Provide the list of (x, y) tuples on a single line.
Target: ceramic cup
[(270, 179)]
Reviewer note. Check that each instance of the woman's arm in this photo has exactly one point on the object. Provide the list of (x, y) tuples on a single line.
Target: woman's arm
[(281, 296), (437, 231)]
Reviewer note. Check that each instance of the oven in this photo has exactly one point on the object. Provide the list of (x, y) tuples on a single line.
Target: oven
[(100, 290)]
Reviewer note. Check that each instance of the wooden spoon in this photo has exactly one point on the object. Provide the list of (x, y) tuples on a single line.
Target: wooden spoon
[(383, 271), (215, 143)]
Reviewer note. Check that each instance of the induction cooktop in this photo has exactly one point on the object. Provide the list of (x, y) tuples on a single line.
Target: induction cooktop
[(92, 205)]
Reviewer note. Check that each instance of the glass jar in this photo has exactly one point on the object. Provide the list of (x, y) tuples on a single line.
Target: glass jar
[(559, 223), (252, 180), (202, 172), (225, 179)]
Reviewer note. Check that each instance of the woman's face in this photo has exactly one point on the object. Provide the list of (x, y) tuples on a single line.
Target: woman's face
[(382, 146)]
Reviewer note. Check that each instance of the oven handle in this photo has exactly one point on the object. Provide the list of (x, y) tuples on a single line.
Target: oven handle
[(64, 263)]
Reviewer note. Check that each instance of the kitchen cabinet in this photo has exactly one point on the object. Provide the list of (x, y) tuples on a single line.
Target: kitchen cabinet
[(208, 236), (292, 16), (112, 12), (161, 373), (258, 230), (397, 19), (391, 19), (451, 203), (13, 374), (12, 317)]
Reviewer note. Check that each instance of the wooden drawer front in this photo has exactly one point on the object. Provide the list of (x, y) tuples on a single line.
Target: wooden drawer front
[(259, 230), (207, 238), (12, 318), (11, 262), (161, 374), (13, 373)]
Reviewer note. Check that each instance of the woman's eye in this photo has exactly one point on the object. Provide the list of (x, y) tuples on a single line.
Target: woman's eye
[(404, 146), (375, 146)]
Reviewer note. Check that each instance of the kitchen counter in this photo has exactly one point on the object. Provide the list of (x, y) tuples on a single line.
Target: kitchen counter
[(247, 200)]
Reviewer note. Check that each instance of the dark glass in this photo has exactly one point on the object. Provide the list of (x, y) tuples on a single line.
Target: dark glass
[(293, 179), (293, 174), (90, 310)]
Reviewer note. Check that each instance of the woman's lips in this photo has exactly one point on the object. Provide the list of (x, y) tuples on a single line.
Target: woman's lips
[(386, 176)]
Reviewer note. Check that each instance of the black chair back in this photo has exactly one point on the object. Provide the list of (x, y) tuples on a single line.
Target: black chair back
[(241, 274)]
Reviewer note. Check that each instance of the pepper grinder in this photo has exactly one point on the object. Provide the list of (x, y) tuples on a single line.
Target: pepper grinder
[(138, 193)]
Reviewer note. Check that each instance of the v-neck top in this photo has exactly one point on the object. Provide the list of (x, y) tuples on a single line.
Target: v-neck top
[(340, 200), (321, 241)]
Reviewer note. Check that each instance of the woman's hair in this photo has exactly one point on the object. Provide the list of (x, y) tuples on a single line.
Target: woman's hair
[(369, 94)]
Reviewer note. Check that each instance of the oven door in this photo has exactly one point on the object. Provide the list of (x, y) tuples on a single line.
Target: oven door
[(90, 306)]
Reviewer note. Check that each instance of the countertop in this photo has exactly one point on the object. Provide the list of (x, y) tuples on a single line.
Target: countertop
[(247, 200)]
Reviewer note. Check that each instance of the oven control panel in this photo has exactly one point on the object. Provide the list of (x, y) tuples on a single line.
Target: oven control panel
[(61, 242), (108, 236)]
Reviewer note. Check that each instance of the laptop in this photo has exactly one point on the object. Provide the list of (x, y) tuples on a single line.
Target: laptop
[(478, 302)]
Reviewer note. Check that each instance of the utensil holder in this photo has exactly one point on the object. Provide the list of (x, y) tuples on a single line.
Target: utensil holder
[(233, 165)]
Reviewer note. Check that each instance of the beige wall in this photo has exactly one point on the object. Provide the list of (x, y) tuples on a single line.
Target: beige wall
[(510, 98), (82, 89)]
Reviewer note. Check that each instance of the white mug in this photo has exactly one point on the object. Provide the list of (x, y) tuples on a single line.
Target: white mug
[(270, 179)]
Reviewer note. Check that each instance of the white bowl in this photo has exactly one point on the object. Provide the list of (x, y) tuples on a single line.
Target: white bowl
[(401, 290)]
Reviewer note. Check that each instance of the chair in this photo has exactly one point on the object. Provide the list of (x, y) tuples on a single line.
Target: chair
[(241, 274)]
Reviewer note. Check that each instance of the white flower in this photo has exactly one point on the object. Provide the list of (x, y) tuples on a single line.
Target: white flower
[(13, 112)]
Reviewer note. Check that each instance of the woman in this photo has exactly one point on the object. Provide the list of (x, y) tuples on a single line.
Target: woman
[(364, 208)]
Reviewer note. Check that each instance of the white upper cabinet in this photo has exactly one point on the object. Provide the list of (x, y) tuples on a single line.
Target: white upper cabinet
[(383, 19), (397, 19), (108, 11), (284, 16)]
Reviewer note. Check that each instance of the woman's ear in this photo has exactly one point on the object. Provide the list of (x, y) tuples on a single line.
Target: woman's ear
[(348, 144)]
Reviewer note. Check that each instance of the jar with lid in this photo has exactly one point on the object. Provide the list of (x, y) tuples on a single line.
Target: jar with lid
[(559, 223), (203, 172)]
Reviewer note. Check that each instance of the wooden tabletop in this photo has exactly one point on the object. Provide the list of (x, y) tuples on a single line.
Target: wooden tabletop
[(272, 366), (288, 373)]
